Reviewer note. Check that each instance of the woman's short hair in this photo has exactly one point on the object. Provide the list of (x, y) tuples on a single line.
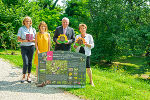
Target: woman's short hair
[(43, 23), (27, 18), (82, 25)]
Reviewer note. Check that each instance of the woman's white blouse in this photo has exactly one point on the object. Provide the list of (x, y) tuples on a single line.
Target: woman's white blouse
[(22, 34), (89, 40)]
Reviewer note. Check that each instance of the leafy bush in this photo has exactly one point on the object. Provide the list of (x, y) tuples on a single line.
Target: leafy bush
[(7, 36)]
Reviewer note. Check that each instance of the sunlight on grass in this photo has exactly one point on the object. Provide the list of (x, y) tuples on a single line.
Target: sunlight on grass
[(2, 51), (132, 60), (129, 64), (123, 83), (15, 60), (112, 86)]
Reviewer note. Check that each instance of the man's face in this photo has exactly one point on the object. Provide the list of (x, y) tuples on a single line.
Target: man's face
[(65, 23)]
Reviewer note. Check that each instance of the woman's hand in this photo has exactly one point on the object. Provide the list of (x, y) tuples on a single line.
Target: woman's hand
[(21, 40), (31, 40), (75, 46), (24, 40), (88, 45), (38, 51)]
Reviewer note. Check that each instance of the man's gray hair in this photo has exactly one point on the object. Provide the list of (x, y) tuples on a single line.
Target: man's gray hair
[(65, 19)]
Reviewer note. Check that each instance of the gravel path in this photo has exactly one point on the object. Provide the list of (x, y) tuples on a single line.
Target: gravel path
[(12, 89)]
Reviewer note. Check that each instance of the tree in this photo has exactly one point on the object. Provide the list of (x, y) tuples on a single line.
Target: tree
[(116, 26), (77, 12), (11, 19), (47, 4), (10, 2)]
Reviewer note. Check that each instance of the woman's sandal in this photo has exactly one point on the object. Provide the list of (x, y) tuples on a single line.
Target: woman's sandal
[(23, 80), (29, 80), (92, 84)]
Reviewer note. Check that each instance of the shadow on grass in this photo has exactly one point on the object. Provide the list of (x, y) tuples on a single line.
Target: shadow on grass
[(132, 70), (1, 50), (131, 65), (136, 70), (9, 53), (145, 80)]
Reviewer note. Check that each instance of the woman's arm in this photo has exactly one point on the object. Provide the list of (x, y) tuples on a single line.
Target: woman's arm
[(88, 45), (31, 40), (36, 44), (91, 42), (49, 42), (20, 40)]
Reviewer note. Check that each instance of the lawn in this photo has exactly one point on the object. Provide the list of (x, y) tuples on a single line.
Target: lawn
[(122, 81), (15, 59)]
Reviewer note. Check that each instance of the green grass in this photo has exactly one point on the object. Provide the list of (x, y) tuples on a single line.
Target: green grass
[(135, 65), (122, 84), (15, 59), (132, 60), (111, 85)]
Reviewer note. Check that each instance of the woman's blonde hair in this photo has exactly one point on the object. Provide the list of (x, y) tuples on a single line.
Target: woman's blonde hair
[(43, 23), (84, 25), (27, 18)]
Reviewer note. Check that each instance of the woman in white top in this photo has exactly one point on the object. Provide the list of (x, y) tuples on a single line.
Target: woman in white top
[(26, 35), (89, 44)]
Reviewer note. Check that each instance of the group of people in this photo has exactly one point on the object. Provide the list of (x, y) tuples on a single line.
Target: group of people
[(42, 42)]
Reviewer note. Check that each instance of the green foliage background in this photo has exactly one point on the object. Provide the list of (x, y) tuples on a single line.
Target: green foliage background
[(119, 27)]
